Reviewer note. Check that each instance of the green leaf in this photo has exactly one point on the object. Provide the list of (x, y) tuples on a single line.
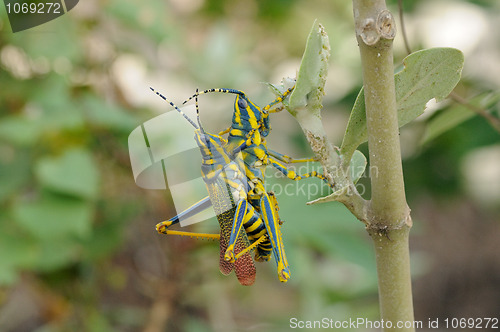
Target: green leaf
[(313, 71), (15, 251), (54, 217), (106, 238), (52, 255), (15, 170), (65, 48), (109, 116), (129, 14), (54, 109), (72, 173), (20, 130), (348, 245), (357, 166), (428, 74), (314, 229), (49, 109), (456, 115)]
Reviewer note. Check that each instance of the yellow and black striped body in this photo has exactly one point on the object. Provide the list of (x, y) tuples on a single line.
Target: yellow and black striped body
[(218, 164), (227, 187), (250, 125), (233, 171), (236, 181)]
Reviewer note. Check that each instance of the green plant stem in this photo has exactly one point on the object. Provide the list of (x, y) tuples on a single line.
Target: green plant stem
[(389, 219), (388, 195), (393, 270)]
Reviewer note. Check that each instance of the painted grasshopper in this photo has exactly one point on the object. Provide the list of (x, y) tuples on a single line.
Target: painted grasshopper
[(250, 124), (224, 175)]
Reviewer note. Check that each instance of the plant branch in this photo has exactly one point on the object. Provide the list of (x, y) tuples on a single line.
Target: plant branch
[(403, 27), (389, 218), (494, 122), (305, 104), (386, 216), (388, 196)]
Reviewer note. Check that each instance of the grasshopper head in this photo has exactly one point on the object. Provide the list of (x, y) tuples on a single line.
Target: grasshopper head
[(248, 116)]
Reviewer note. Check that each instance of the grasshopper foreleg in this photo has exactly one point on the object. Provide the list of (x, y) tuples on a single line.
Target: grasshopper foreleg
[(292, 175)]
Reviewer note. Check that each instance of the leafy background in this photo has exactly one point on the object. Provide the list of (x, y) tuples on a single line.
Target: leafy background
[(78, 249)]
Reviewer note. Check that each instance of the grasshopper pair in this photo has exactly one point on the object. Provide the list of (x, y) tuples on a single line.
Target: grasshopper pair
[(233, 171)]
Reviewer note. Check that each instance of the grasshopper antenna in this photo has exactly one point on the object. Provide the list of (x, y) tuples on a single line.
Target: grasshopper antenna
[(198, 110), (231, 91), (177, 108)]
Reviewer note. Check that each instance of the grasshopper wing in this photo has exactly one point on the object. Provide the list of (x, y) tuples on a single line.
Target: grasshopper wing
[(225, 207)]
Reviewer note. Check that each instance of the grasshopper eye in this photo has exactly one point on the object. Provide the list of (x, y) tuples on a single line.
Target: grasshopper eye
[(242, 103)]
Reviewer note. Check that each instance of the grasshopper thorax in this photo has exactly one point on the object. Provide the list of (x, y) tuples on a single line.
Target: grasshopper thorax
[(213, 153)]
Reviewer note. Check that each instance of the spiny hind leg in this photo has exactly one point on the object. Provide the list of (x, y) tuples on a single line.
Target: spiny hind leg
[(238, 220), (273, 229), (163, 227)]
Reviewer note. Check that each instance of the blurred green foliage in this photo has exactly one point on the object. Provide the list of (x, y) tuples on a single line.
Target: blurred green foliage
[(77, 238)]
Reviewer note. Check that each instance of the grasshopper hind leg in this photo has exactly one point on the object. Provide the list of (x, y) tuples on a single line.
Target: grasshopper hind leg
[(244, 266), (269, 215)]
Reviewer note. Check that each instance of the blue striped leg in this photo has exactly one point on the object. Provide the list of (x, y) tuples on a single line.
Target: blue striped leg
[(194, 209), (273, 229)]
